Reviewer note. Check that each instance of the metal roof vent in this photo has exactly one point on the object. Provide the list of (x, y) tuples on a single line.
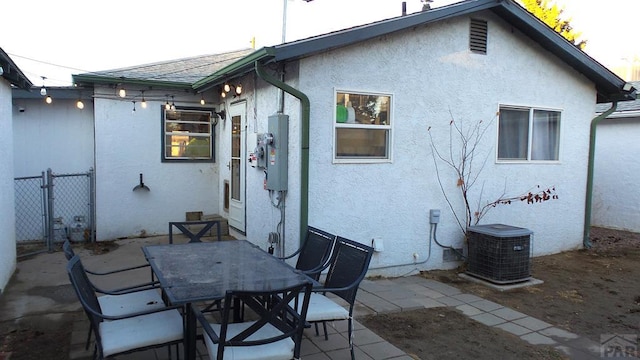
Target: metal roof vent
[(478, 36)]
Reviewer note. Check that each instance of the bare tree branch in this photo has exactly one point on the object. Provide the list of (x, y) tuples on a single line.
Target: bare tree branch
[(463, 148)]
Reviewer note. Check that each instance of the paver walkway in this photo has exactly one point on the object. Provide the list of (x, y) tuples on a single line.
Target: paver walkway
[(405, 294)]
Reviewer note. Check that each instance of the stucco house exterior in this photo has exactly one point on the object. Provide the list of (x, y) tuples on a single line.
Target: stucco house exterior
[(332, 131), (615, 194), (10, 76)]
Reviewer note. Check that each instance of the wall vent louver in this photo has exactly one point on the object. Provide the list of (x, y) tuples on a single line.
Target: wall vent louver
[(478, 30)]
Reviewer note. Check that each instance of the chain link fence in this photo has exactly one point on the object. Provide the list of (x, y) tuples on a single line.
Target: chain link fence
[(53, 207)]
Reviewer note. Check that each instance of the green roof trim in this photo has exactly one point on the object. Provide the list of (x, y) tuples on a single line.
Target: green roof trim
[(83, 79), (237, 68)]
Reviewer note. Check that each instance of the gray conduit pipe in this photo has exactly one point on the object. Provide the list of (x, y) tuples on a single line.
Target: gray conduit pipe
[(431, 235)]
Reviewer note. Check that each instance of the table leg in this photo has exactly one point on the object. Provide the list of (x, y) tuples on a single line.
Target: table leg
[(190, 334), (237, 314)]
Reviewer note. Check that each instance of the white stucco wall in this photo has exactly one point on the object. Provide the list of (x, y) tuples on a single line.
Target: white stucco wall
[(58, 136), (7, 220), (430, 72), (615, 194), (128, 144)]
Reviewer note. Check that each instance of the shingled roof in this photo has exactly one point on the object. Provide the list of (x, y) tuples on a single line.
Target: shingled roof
[(178, 72)]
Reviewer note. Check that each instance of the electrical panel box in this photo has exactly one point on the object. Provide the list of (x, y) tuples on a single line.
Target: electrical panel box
[(277, 152)]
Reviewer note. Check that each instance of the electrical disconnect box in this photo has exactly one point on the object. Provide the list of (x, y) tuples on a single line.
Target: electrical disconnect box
[(276, 152), (258, 157)]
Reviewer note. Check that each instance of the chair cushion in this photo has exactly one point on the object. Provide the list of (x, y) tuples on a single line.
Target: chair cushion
[(321, 308), (117, 305), (282, 349), (140, 331)]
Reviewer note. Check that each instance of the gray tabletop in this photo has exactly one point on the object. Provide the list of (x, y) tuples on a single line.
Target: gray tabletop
[(205, 271)]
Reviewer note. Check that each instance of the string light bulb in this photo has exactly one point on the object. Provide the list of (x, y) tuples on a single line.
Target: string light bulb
[(238, 89), (143, 103), (227, 87), (43, 90), (48, 100), (223, 94), (122, 92), (202, 100), (80, 104), (167, 106)]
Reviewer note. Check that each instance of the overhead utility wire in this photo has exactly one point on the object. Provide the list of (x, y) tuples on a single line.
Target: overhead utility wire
[(118, 72), (46, 63)]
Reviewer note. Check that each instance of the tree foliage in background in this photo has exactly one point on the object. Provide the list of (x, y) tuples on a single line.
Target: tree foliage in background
[(551, 14)]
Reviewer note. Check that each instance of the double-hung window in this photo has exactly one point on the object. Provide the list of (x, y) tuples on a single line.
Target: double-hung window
[(528, 134), (362, 127), (187, 135)]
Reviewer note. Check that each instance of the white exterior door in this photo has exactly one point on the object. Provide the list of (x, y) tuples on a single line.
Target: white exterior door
[(238, 160)]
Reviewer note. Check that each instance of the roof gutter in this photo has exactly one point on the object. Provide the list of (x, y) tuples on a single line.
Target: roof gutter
[(12, 72), (109, 80), (586, 241), (304, 148)]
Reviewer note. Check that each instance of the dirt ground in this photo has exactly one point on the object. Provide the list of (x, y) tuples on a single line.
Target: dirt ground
[(587, 292)]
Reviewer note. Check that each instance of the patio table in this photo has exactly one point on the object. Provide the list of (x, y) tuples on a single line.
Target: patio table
[(195, 272)]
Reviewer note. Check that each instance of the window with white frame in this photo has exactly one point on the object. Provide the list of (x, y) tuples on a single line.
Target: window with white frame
[(362, 127), (187, 135), (528, 134)]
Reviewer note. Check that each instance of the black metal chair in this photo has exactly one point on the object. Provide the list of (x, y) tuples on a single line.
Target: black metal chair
[(314, 253), (126, 333), (347, 268), (276, 334), (122, 301), (185, 227), (69, 253)]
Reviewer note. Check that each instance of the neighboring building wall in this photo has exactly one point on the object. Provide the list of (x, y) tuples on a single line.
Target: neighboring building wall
[(433, 77), (128, 144), (7, 220), (615, 193), (55, 136)]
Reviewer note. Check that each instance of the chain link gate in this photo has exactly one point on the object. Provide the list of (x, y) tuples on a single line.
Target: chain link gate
[(31, 213), (53, 207)]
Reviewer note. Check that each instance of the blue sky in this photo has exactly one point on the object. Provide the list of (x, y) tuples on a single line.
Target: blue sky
[(67, 37)]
